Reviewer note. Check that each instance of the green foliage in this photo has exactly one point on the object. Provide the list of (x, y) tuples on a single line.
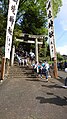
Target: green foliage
[(16, 44), (44, 52), (59, 57), (2, 30), (56, 4), (3, 21), (32, 19)]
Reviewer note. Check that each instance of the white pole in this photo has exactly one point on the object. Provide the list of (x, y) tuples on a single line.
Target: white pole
[(36, 51), (12, 57)]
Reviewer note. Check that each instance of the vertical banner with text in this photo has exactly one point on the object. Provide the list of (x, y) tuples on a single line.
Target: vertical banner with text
[(12, 11), (50, 28)]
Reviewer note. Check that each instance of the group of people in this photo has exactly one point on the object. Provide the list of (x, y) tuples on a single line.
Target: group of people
[(21, 61), (41, 68), (62, 65)]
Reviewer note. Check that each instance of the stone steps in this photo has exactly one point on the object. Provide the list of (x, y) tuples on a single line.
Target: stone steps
[(19, 72)]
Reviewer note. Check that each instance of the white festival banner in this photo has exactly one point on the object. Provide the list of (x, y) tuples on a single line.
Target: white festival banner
[(50, 28), (12, 11)]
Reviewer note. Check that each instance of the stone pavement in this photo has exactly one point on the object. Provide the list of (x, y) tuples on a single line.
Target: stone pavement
[(62, 74), (23, 96)]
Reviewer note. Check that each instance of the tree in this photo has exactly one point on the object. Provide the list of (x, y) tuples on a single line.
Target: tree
[(33, 22), (56, 4), (37, 7), (59, 57), (3, 20), (41, 4), (34, 18)]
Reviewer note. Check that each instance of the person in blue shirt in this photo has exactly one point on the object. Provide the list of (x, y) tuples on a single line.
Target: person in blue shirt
[(45, 69)]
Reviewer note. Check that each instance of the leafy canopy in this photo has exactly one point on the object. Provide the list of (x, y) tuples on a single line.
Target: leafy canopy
[(31, 16)]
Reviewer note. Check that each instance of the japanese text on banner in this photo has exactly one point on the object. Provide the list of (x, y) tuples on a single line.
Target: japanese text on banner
[(12, 11), (50, 28)]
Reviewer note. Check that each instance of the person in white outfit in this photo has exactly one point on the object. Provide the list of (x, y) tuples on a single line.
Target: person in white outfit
[(19, 59)]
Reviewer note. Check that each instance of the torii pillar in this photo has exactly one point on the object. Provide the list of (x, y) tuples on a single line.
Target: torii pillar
[(36, 51)]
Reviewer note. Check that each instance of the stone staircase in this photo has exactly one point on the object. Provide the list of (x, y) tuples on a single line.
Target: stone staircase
[(20, 72)]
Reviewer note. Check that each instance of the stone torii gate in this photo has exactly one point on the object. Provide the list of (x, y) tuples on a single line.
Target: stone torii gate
[(10, 27), (26, 39)]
